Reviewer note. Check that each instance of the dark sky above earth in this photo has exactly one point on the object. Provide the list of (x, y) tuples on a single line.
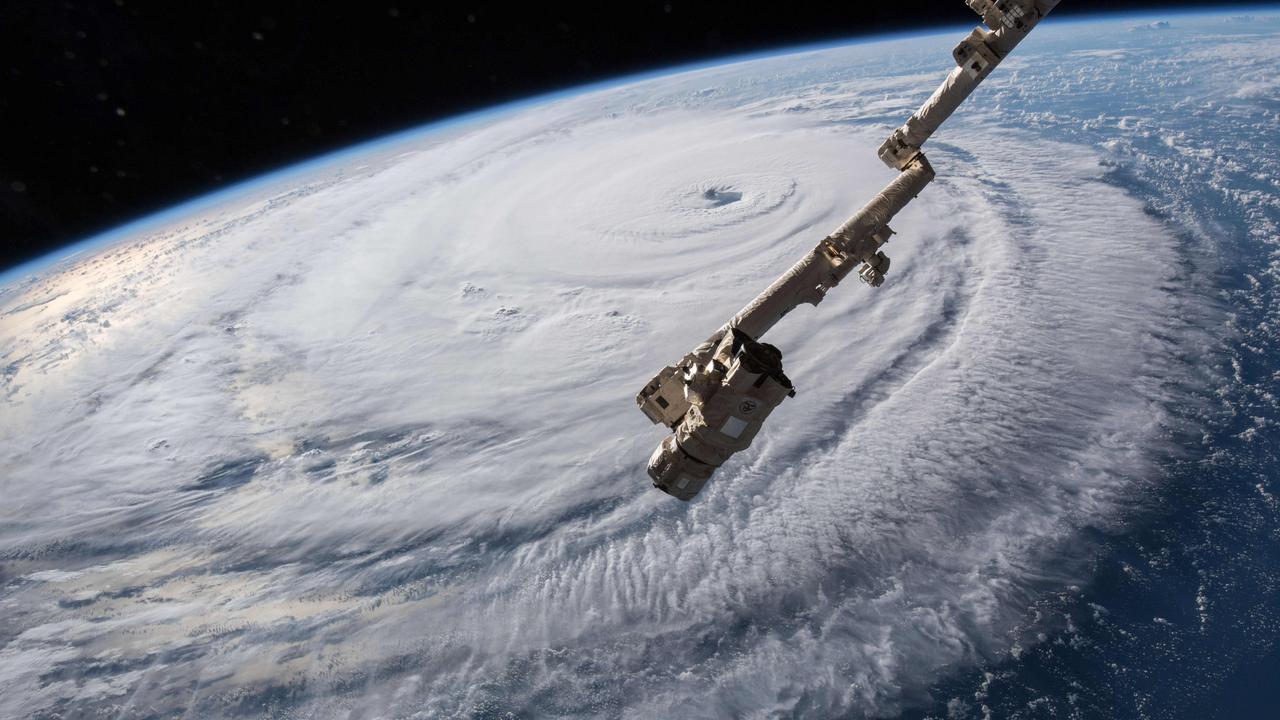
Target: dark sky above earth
[(116, 108)]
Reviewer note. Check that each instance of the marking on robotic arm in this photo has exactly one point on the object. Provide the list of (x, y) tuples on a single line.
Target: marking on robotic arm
[(974, 56)]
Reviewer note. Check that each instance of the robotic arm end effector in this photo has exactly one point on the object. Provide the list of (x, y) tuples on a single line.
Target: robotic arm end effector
[(725, 402)]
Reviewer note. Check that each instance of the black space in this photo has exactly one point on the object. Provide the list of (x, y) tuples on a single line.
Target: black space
[(114, 109)]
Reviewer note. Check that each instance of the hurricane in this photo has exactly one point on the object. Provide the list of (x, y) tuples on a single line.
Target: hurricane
[(358, 439)]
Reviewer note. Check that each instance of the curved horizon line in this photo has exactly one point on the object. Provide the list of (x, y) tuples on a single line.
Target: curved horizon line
[(208, 198)]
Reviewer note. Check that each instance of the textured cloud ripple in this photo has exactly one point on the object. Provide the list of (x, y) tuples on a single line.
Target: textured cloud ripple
[(364, 444)]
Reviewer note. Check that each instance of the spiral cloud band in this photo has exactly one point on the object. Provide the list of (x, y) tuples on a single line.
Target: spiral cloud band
[(361, 440)]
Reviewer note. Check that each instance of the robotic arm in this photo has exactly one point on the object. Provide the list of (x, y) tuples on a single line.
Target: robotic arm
[(718, 396)]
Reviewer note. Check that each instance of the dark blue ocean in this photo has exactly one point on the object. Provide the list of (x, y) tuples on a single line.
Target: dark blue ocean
[(1181, 615)]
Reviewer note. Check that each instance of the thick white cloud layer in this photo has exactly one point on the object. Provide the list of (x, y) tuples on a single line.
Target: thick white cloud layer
[(369, 444)]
